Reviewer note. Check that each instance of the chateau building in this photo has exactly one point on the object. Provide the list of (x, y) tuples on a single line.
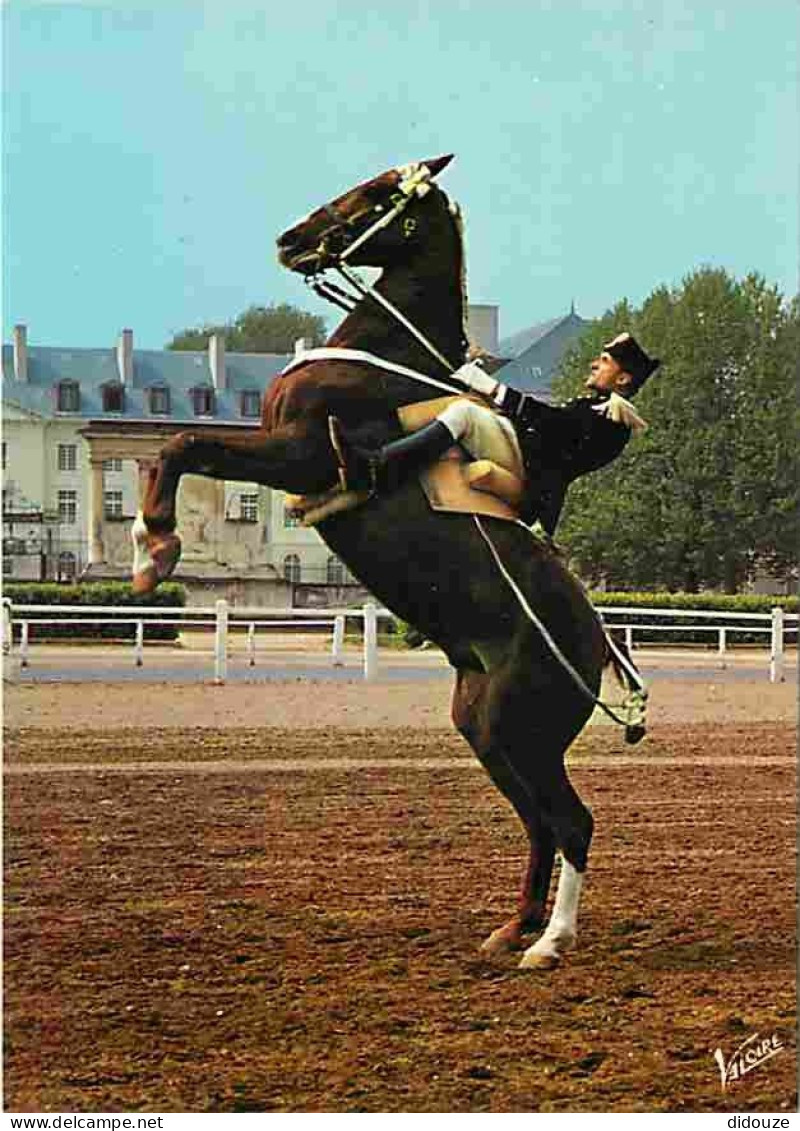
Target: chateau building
[(81, 428)]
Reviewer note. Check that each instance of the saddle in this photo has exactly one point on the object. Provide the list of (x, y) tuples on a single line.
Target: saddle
[(452, 485)]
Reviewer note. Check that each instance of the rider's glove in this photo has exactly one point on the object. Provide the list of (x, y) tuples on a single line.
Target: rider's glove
[(472, 375)]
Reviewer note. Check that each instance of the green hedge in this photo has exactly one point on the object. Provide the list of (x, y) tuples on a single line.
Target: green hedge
[(117, 593), (722, 602)]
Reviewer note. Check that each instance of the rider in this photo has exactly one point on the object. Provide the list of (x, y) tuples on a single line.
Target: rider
[(548, 445)]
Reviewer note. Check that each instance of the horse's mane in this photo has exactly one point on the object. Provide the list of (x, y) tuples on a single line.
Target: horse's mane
[(457, 217)]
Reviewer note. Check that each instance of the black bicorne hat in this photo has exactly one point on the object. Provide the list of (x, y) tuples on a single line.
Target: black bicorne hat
[(631, 358)]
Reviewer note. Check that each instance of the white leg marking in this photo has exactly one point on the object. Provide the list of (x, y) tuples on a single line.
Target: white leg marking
[(141, 554), (562, 928)]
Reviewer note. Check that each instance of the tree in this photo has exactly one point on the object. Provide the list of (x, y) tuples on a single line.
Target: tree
[(259, 329), (709, 492)]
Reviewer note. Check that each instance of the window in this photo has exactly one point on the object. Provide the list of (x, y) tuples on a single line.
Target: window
[(291, 568), (249, 507), (67, 457), (67, 506), (251, 403), (159, 400), (112, 504), (112, 465), (203, 400), (67, 566), (335, 571), (69, 396), (289, 518), (113, 398)]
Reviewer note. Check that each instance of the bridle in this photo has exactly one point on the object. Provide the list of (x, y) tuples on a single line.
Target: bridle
[(414, 183)]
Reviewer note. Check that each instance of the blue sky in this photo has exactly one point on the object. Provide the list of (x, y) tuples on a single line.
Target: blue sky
[(153, 151)]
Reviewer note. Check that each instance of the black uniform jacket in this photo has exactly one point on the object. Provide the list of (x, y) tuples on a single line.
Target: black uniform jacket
[(559, 443)]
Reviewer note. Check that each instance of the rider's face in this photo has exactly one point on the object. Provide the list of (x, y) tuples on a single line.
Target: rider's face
[(606, 375)]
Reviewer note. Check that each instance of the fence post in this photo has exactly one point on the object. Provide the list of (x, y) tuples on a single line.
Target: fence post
[(8, 630), (23, 644), (370, 640), (221, 642), (251, 644), (629, 637), (722, 641), (776, 650), (338, 641), (138, 648)]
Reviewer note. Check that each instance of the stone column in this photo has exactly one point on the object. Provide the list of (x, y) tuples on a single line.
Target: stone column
[(96, 551), (143, 468)]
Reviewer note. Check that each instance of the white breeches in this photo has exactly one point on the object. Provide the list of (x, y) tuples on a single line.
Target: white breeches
[(484, 434)]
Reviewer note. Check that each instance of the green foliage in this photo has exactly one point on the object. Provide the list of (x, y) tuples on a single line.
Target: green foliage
[(709, 492), (259, 329), (719, 602), (117, 593)]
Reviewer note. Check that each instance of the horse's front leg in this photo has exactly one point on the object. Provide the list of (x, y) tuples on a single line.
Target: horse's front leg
[(294, 458)]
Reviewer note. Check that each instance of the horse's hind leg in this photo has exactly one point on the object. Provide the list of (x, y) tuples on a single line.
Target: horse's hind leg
[(469, 718), (572, 826), (533, 723)]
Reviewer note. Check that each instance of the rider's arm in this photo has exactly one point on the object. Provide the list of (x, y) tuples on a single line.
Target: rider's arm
[(519, 406)]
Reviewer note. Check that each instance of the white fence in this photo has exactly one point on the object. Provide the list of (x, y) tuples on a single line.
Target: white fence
[(224, 618), (777, 623)]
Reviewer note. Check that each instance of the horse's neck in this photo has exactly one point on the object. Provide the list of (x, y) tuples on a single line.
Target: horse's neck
[(432, 304)]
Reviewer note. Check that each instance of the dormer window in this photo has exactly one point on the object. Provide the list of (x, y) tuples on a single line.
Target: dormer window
[(203, 401), (251, 404), (113, 397), (68, 396), (158, 400)]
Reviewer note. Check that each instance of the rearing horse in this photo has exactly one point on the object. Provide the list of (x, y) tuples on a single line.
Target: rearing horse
[(514, 702)]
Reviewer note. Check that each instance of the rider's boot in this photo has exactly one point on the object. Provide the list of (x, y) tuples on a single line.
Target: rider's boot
[(379, 470)]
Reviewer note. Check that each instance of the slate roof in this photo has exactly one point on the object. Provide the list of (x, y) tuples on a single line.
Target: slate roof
[(178, 370), (536, 353), (516, 344)]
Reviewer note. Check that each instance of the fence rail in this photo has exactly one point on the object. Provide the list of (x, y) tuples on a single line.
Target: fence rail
[(225, 618)]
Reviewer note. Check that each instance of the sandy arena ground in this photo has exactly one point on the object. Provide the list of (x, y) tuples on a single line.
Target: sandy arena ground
[(270, 897)]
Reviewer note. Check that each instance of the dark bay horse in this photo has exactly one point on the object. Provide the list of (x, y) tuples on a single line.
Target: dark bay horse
[(516, 705)]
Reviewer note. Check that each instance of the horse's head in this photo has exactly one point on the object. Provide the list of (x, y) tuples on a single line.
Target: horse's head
[(375, 224)]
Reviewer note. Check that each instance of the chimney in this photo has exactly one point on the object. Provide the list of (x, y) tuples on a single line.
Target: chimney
[(482, 326), (21, 352), (216, 360), (125, 357)]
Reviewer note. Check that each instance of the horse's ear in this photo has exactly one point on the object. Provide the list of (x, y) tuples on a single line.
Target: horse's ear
[(436, 164)]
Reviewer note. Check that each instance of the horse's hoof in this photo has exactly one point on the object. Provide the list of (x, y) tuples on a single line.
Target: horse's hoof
[(144, 582), (532, 961), (501, 941), (162, 557)]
